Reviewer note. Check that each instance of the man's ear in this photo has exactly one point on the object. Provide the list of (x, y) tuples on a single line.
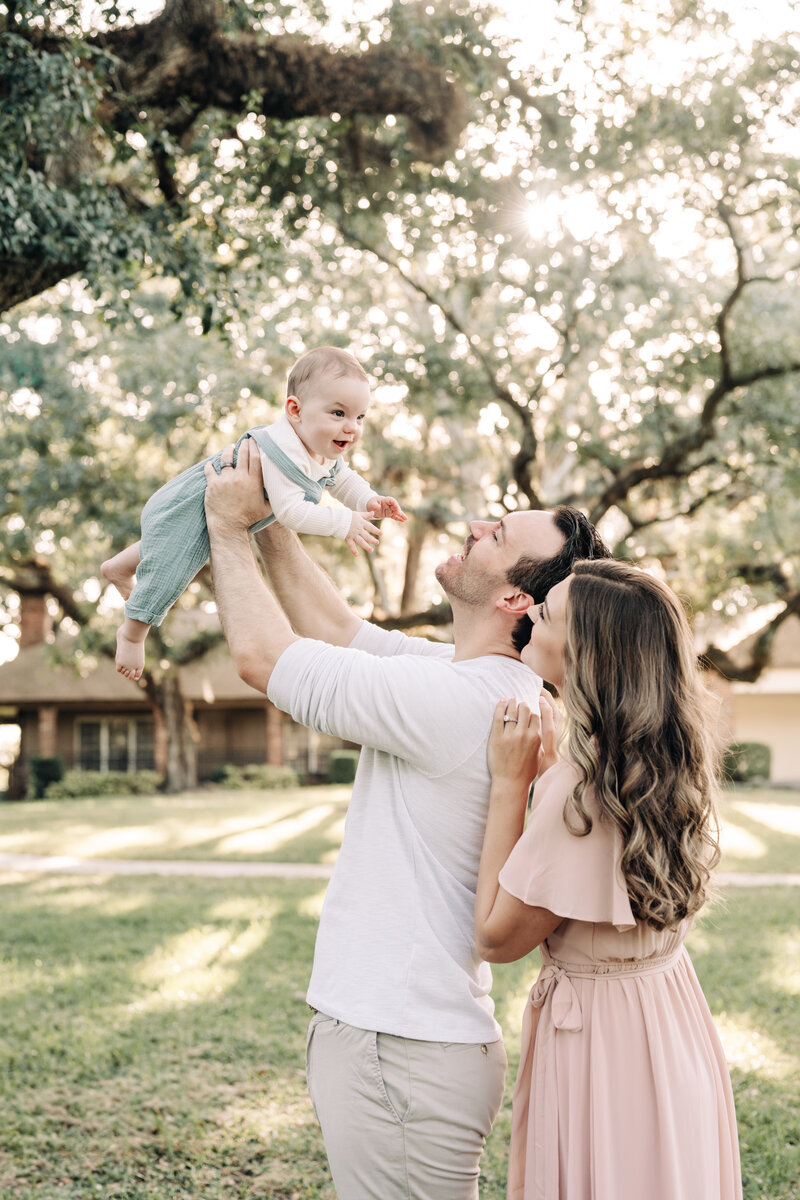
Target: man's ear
[(515, 603), (292, 408)]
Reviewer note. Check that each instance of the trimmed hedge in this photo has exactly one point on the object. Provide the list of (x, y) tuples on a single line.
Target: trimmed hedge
[(45, 770), (255, 775), (342, 766), (744, 761), (79, 784)]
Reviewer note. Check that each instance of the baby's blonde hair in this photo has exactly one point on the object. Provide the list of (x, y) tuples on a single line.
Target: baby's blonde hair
[(322, 360)]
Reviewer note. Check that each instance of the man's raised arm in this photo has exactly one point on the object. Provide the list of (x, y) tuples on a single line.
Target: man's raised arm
[(255, 628), (308, 596)]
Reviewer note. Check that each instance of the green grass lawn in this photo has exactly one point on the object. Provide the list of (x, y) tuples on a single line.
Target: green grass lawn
[(295, 825), (761, 830), (761, 827), (152, 1030)]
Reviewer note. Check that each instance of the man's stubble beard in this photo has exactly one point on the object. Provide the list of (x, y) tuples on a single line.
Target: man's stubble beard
[(473, 590)]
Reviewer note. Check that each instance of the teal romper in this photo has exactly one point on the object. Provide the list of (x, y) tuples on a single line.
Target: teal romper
[(174, 544)]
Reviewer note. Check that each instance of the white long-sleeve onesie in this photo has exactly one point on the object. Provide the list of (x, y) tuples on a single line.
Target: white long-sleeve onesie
[(287, 498)]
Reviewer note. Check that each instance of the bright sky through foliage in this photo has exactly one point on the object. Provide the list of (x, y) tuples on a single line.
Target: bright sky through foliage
[(533, 22)]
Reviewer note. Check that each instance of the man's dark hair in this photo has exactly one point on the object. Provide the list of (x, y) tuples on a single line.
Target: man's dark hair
[(537, 575)]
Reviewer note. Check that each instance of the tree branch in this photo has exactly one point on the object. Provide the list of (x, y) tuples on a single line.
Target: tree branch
[(180, 64), (528, 440), (35, 578), (729, 668), (675, 460), (20, 279), (637, 524), (442, 614)]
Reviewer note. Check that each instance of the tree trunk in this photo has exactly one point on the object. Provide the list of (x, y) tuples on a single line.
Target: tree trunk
[(381, 600), (274, 735), (417, 533), (176, 732)]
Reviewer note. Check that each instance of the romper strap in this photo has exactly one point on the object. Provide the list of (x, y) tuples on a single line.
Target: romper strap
[(312, 488)]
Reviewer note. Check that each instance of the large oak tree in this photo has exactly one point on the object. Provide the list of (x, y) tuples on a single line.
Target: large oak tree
[(590, 296), (104, 131)]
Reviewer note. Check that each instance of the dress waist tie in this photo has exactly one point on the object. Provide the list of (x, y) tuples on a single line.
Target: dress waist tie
[(555, 980)]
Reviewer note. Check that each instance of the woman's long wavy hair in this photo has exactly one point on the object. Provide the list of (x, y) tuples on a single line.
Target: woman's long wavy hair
[(641, 734)]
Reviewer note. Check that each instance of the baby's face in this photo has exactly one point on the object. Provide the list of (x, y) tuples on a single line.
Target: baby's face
[(329, 419)]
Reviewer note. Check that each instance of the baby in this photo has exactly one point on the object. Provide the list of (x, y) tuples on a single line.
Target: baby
[(328, 397)]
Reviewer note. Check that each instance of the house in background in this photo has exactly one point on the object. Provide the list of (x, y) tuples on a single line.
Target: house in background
[(768, 710), (104, 722)]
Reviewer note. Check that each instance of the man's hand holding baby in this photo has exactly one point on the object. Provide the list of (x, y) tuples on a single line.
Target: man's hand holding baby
[(235, 494)]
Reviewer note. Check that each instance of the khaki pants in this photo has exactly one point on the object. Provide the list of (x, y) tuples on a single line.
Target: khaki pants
[(402, 1119)]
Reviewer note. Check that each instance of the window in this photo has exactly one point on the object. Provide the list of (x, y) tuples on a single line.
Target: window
[(145, 746), (118, 738), (89, 746), (115, 744)]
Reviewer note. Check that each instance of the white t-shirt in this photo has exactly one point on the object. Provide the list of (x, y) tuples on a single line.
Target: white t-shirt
[(288, 500), (395, 949)]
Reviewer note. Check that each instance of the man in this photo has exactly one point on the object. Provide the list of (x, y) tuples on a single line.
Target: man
[(405, 1059)]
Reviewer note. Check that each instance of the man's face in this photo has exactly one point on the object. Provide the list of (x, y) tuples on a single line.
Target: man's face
[(479, 574)]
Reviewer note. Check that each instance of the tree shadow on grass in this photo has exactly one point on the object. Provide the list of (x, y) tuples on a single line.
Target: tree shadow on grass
[(761, 830), (153, 1035), (117, 1081), (297, 825)]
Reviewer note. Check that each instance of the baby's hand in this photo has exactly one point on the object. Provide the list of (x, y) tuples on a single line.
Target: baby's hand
[(362, 533), (386, 506)]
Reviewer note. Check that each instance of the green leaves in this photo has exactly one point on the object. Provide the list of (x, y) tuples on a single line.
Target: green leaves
[(593, 298)]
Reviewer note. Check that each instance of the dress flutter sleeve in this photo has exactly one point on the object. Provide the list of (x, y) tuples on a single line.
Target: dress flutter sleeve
[(574, 877)]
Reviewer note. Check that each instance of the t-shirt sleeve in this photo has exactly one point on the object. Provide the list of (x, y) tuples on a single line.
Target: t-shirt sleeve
[(402, 705), (388, 642), (574, 877)]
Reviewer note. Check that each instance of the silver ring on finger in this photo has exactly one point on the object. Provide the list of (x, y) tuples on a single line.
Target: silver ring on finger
[(510, 720), (225, 464)]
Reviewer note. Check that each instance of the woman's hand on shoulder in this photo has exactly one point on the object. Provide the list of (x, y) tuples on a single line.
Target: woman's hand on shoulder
[(514, 744), (523, 743), (550, 721)]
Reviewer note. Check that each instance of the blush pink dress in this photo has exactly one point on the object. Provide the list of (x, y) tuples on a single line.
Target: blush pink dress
[(623, 1090)]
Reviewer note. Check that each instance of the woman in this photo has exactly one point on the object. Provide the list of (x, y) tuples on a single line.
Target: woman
[(623, 1090)]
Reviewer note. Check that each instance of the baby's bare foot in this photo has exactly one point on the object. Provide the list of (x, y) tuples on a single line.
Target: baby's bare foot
[(122, 580), (130, 656)]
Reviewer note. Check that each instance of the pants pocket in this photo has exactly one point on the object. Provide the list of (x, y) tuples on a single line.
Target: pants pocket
[(313, 1025), (393, 1074)]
